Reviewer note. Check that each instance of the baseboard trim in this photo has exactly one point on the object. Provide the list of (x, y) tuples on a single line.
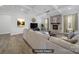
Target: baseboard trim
[(16, 33), (4, 33)]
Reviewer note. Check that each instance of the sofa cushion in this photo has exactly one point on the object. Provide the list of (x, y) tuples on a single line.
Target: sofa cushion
[(65, 44), (43, 34), (70, 35), (36, 40), (60, 42), (76, 37)]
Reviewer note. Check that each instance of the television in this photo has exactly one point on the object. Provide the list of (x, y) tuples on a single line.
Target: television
[(33, 25)]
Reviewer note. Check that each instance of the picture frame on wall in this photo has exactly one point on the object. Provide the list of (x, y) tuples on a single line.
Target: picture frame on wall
[(20, 22)]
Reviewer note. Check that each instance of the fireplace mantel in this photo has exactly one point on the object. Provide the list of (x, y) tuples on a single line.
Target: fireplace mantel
[(55, 23)]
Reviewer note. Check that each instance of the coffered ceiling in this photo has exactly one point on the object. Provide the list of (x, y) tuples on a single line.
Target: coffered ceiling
[(41, 9)]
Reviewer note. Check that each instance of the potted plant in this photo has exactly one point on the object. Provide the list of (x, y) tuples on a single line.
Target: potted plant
[(42, 27)]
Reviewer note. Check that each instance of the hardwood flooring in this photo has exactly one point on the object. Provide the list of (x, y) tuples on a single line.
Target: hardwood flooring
[(13, 45)]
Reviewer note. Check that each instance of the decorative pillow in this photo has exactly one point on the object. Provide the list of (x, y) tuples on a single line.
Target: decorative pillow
[(76, 37), (71, 34)]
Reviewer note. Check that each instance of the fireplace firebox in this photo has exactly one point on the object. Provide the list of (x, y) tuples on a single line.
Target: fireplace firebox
[(55, 27)]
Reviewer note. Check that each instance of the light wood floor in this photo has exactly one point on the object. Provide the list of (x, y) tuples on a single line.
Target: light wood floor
[(13, 45)]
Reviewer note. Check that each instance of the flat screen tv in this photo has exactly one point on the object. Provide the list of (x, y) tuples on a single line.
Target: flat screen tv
[(33, 25)]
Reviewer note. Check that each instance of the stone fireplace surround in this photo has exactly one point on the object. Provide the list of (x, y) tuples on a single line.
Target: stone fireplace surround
[(55, 26), (56, 23)]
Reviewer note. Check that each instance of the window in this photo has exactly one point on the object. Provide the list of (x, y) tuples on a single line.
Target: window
[(46, 23), (70, 28), (70, 23)]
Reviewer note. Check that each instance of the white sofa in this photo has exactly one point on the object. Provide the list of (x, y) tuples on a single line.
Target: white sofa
[(65, 44), (39, 41)]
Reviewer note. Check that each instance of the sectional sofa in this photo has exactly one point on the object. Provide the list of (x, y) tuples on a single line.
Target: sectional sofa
[(38, 40)]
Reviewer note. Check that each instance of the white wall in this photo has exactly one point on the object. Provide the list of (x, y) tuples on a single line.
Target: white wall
[(8, 22), (5, 24), (15, 29), (28, 20)]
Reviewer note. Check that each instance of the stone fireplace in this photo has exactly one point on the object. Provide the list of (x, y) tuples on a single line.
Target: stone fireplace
[(55, 23), (55, 27)]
